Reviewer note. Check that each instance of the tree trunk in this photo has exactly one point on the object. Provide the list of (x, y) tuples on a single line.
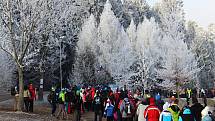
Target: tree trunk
[(177, 88), (21, 87)]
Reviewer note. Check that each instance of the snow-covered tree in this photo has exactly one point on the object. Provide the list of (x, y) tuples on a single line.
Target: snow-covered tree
[(132, 33), (147, 48), (180, 64), (19, 20), (86, 49), (114, 46)]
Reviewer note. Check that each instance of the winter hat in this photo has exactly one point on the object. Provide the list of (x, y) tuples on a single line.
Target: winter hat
[(165, 106)]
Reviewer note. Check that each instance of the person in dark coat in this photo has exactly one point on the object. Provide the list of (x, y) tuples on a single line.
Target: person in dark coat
[(98, 107), (196, 109), (186, 114)]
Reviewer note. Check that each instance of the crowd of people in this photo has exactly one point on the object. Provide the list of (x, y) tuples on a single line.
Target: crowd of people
[(29, 96), (123, 105)]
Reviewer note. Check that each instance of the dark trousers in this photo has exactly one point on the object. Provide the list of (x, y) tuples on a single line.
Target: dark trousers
[(109, 118), (54, 107), (85, 106), (98, 113), (77, 115), (31, 105), (26, 102)]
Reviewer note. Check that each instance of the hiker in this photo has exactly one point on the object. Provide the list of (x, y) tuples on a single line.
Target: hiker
[(175, 110), (53, 101), (196, 109), (15, 93), (98, 106), (165, 114), (109, 110), (188, 95), (126, 110), (186, 115), (78, 103), (61, 101), (32, 97), (140, 109), (26, 95), (152, 112)]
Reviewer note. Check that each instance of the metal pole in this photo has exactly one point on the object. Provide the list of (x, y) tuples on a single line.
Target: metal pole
[(61, 80)]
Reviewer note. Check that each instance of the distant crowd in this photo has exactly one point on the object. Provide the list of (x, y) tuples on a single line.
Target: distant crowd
[(125, 105)]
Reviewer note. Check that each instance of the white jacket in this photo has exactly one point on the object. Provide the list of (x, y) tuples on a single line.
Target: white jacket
[(140, 112)]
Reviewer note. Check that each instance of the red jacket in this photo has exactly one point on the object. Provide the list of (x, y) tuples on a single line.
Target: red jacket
[(32, 92), (152, 112)]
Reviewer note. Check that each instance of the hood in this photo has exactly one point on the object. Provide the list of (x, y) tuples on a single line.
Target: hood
[(187, 111), (152, 101)]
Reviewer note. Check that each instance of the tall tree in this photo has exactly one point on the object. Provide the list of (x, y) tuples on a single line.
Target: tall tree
[(115, 48), (86, 49), (19, 23), (149, 40)]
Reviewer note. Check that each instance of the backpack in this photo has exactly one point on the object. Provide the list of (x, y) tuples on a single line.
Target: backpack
[(167, 116), (97, 100), (50, 97), (127, 106), (207, 118)]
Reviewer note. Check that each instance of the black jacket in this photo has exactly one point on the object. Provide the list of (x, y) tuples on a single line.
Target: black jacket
[(196, 110)]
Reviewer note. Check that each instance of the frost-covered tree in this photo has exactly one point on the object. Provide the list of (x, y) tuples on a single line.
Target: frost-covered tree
[(114, 45), (147, 48), (180, 64), (132, 33), (172, 18), (19, 20), (86, 59), (203, 47)]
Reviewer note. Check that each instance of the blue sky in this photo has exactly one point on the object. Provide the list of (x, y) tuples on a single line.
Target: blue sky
[(201, 11)]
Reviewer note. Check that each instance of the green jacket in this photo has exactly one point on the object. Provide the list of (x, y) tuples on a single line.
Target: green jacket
[(175, 111), (62, 96)]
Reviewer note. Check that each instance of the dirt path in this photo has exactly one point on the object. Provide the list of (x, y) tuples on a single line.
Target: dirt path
[(4, 97), (22, 116)]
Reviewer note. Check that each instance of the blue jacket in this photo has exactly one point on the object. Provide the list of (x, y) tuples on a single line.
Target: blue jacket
[(165, 116), (186, 115), (109, 110)]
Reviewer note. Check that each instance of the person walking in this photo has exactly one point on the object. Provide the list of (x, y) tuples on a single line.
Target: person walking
[(32, 97), (186, 115), (98, 107), (77, 102), (140, 110), (53, 101), (61, 101), (188, 95), (152, 112), (126, 110), (109, 110), (165, 114), (196, 109), (175, 110), (26, 95)]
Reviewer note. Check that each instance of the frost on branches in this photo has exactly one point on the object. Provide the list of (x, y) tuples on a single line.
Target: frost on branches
[(114, 45), (180, 65), (86, 49)]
